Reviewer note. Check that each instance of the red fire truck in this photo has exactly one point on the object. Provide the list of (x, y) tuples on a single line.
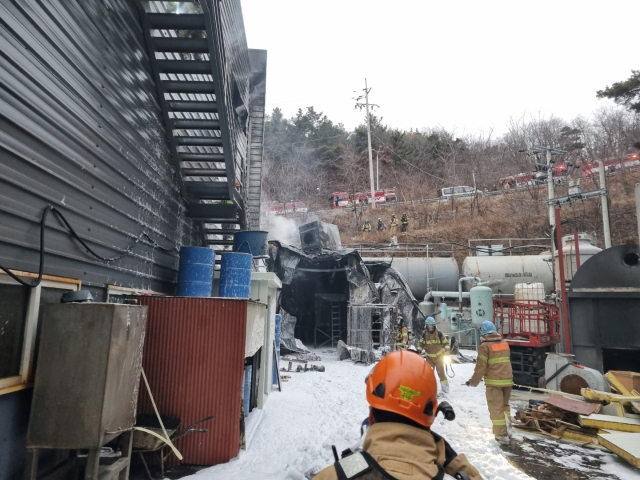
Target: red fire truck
[(344, 199), (285, 209), (612, 166), (531, 328)]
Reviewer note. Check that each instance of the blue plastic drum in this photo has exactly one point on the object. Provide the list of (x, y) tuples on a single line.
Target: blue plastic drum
[(235, 275), (195, 273), (253, 242)]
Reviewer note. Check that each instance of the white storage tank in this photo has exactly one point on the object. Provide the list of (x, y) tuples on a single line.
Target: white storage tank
[(481, 299), (439, 273), (587, 247), (503, 273)]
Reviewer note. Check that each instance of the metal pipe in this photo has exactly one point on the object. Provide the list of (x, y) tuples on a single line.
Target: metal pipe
[(638, 208), (563, 290), (462, 279), (605, 206), (576, 245), (550, 189)]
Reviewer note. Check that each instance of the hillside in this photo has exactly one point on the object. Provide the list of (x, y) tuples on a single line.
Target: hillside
[(518, 214)]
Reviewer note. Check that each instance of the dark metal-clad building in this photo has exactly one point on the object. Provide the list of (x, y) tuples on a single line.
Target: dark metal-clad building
[(134, 120), (604, 310)]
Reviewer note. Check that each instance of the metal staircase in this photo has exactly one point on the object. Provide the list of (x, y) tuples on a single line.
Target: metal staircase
[(203, 83)]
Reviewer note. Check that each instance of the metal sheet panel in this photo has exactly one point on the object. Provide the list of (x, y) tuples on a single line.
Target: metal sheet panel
[(80, 128), (194, 360)]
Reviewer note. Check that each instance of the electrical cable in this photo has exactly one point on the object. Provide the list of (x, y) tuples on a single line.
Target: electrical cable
[(62, 218)]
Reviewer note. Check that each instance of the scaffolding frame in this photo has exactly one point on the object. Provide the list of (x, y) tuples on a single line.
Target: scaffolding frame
[(360, 328)]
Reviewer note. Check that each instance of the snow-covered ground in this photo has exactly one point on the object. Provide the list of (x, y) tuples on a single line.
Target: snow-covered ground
[(295, 431)]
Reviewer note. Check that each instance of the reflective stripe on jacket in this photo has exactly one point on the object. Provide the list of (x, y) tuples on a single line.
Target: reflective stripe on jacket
[(402, 337), (493, 363), (434, 344)]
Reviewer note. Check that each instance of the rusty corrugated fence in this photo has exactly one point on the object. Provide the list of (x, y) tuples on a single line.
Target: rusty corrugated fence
[(194, 361)]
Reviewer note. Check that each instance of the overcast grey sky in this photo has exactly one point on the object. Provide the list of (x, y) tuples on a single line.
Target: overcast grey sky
[(463, 65)]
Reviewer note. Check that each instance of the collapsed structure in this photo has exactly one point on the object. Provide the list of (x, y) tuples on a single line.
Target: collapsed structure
[(329, 294)]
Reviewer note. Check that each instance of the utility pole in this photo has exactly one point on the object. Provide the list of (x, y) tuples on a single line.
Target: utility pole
[(551, 192), (373, 191), (550, 152), (605, 205), (378, 168), (638, 208), (367, 105)]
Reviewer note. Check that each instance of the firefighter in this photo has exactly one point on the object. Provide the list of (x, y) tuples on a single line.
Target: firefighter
[(393, 226), (435, 348), (494, 364), (402, 334), (366, 228), (401, 392), (380, 224), (405, 223)]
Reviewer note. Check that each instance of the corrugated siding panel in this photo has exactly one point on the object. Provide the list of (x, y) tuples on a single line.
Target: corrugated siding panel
[(233, 55), (194, 360), (80, 128), (258, 59)]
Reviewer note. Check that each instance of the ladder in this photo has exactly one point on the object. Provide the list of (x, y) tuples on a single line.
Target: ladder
[(335, 323)]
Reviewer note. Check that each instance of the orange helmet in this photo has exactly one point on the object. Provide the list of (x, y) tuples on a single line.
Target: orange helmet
[(404, 383)]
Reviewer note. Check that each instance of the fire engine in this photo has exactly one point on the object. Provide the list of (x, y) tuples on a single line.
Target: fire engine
[(612, 166), (344, 199), (285, 209), (531, 328)]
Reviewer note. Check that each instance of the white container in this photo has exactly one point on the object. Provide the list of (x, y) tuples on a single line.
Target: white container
[(530, 291), (503, 273)]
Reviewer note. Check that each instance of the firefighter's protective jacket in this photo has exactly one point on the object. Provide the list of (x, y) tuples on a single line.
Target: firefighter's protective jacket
[(402, 337), (394, 222), (366, 227), (409, 453), (405, 220), (493, 363), (433, 344)]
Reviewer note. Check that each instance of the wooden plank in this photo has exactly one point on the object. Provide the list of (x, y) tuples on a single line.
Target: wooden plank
[(108, 472), (610, 423), (571, 405), (626, 445), (597, 396), (617, 384), (575, 436)]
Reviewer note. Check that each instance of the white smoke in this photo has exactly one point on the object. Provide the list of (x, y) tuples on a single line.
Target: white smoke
[(283, 230)]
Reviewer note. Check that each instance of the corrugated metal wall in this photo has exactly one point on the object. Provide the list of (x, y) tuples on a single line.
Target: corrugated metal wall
[(80, 128), (258, 59), (194, 361)]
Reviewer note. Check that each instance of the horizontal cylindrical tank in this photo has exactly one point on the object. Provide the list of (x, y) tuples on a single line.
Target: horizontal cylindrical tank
[(422, 273), (481, 304), (502, 273)]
